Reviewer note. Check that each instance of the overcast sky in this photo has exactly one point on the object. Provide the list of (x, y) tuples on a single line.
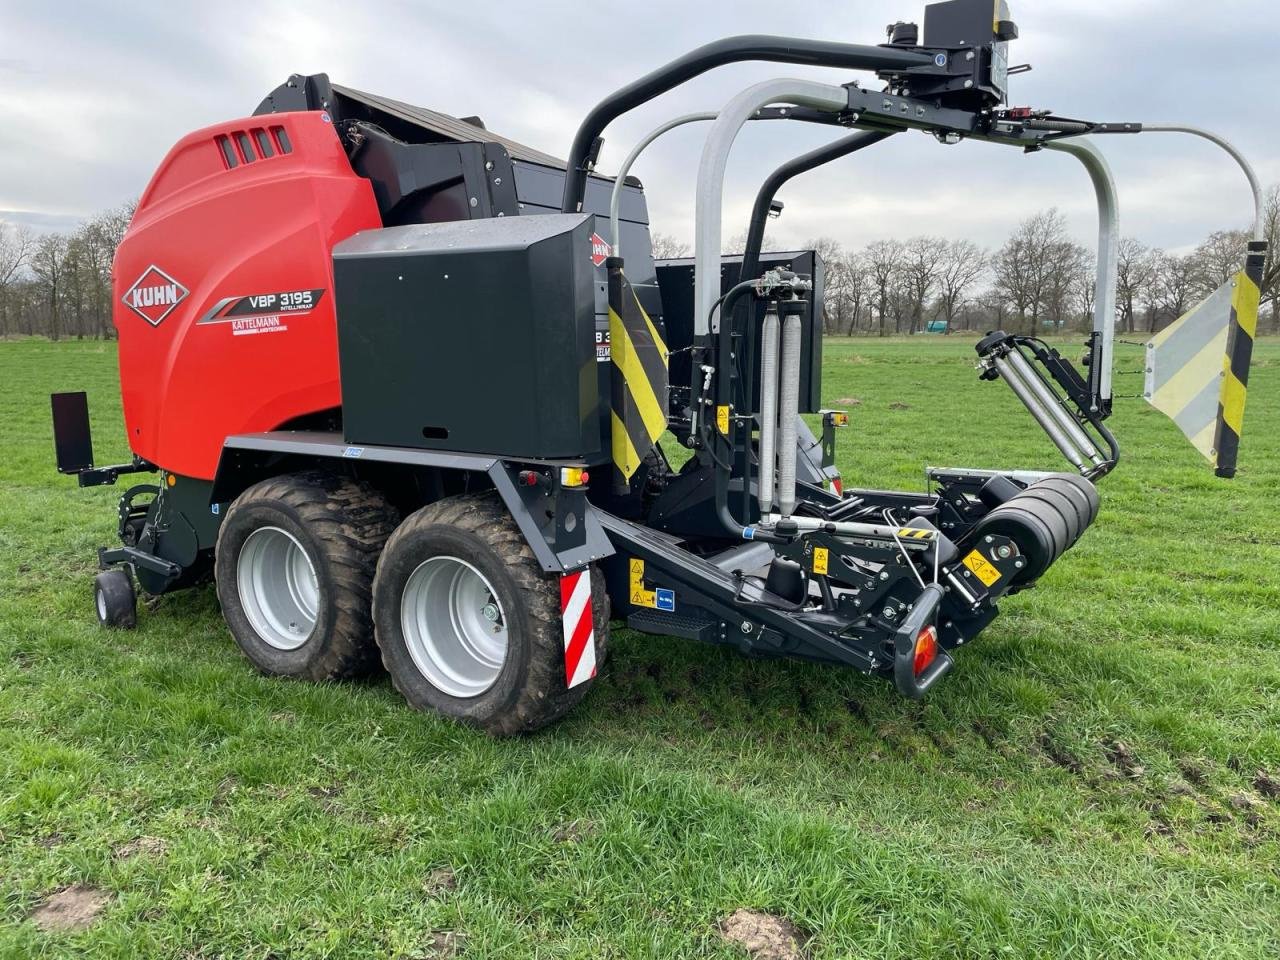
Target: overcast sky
[(95, 93)]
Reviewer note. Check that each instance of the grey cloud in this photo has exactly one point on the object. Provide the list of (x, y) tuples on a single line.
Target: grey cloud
[(97, 93)]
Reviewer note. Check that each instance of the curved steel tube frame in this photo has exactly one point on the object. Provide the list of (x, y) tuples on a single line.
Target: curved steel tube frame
[(814, 53), (615, 198), (1104, 296)]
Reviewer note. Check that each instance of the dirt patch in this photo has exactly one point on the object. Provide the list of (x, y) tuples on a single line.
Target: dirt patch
[(1122, 757), (141, 846), (444, 945), (440, 881), (327, 797), (899, 405), (763, 935), (848, 402), (225, 790), (1195, 771), (1267, 784), (575, 831), (72, 908), (1059, 755)]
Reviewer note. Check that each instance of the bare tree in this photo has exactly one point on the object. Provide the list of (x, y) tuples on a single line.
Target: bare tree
[(1271, 273), (835, 291), (963, 263), (1178, 285), (884, 263), (16, 244), (1220, 256), (1135, 271), (48, 263), (922, 261), (667, 247), (1028, 267)]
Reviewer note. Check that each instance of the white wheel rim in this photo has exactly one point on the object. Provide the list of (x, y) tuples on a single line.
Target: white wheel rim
[(278, 588), (454, 626), (101, 599)]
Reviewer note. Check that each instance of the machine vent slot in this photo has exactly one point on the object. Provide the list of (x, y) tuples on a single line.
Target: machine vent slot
[(435, 433), (282, 139), (228, 152), (246, 147), (264, 143)]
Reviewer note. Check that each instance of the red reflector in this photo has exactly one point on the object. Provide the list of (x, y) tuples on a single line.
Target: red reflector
[(837, 485), (527, 478), (926, 648)]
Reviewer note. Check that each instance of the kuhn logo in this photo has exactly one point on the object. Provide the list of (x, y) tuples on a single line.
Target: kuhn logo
[(600, 249), (154, 295)]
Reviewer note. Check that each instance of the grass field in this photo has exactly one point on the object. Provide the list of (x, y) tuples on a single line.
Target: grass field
[(1099, 777)]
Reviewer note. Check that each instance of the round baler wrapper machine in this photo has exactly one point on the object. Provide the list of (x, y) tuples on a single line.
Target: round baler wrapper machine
[(455, 313)]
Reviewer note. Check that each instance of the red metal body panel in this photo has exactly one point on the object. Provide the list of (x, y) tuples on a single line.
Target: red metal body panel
[(236, 214)]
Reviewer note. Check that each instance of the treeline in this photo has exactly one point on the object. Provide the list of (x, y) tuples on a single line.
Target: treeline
[(59, 285), (1039, 279)]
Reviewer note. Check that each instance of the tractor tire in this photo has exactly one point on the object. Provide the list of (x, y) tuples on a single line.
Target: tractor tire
[(294, 570), (469, 623), (115, 600)]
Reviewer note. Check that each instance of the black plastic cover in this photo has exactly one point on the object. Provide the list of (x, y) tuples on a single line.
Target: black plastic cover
[(474, 336)]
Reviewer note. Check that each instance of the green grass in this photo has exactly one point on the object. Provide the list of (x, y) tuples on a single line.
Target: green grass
[(1085, 784)]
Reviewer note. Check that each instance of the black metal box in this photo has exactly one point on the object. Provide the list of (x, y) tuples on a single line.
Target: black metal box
[(675, 280), (475, 336)]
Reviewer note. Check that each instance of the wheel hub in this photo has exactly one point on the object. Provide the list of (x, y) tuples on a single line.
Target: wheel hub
[(278, 588), (454, 626)]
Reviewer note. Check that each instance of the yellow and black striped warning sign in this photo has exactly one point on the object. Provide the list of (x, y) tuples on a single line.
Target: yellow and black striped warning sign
[(1235, 366), (914, 533), (638, 399), (1197, 368)]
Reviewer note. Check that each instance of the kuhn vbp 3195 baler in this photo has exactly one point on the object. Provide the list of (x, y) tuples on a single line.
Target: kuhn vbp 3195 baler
[(403, 400)]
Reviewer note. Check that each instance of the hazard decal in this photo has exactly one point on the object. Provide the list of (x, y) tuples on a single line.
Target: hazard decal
[(579, 628), (638, 384), (154, 295), (982, 568)]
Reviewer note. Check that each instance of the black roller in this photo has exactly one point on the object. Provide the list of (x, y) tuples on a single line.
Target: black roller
[(1078, 486), (1061, 504), (1034, 527)]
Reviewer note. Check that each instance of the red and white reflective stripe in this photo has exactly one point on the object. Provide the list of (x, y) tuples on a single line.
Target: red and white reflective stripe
[(579, 628), (837, 486)]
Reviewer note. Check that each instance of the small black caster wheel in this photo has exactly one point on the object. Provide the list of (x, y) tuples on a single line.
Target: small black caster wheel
[(115, 599)]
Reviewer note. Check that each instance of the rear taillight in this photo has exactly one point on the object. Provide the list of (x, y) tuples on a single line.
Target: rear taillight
[(926, 648)]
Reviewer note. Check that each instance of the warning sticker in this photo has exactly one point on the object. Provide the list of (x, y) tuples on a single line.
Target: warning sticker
[(640, 597), (982, 568), (722, 419), (820, 557)]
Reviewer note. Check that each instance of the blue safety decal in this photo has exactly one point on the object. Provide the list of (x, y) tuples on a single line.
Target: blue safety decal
[(666, 600), (353, 452)]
